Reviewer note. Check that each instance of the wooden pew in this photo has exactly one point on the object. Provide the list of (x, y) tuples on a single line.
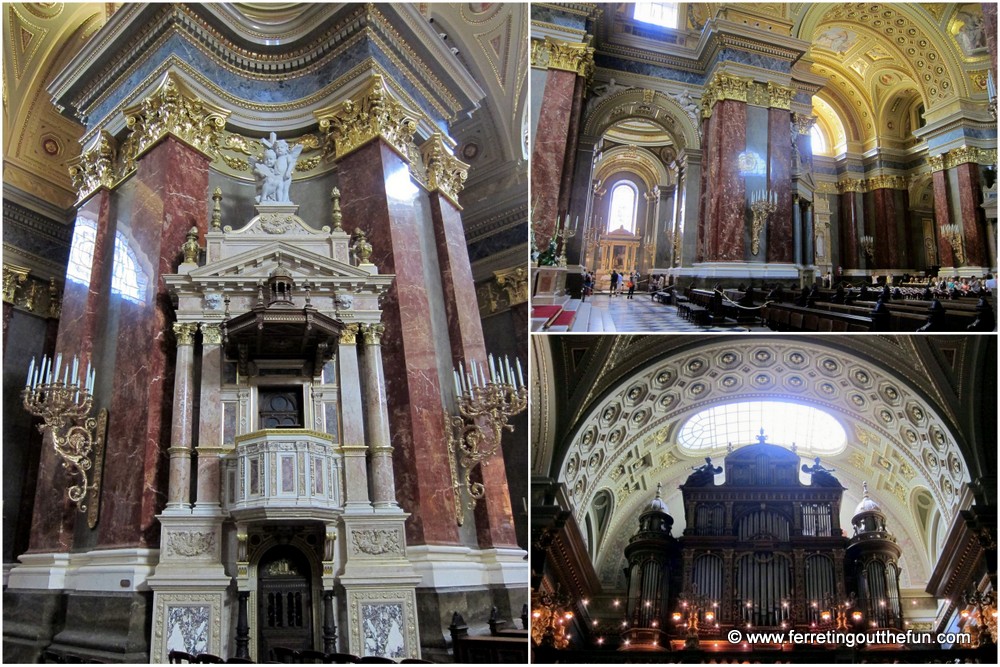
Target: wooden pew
[(788, 317), (486, 649)]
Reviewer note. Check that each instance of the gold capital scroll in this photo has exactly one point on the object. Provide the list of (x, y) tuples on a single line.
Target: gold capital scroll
[(936, 162), (724, 87), (95, 168), (13, 277), (211, 334), (445, 172), (372, 333), (349, 334), (803, 122), (172, 109), (371, 113), (185, 332), (779, 97)]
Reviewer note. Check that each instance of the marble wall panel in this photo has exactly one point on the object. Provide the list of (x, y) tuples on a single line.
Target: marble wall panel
[(167, 198), (730, 191), (780, 247), (849, 231), (973, 216), (378, 194), (549, 152)]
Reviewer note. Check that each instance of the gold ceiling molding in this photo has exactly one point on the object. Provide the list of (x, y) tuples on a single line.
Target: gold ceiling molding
[(172, 109), (371, 113), (557, 54), (445, 172), (95, 168)]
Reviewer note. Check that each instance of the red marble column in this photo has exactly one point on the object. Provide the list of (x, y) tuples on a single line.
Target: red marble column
[(884, 206), (780, 235), (549, 154), (169, 195), (848, 231), (392, 218), (494, 516), (727, 191), (84, 303), (705, 249), (942, 216), (569, 162), (973, 216)]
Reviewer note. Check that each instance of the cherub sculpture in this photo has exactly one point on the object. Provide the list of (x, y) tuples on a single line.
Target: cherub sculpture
[(274, 176)]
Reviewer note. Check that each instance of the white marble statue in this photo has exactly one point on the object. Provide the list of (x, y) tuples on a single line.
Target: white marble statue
[(274, 174)]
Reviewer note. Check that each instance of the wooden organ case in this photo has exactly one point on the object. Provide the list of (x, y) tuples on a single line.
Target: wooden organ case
[(762, 549)]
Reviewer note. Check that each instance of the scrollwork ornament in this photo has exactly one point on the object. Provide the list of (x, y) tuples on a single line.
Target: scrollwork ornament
[(372, 333), (372, 113), (211, 334), (185, 331)]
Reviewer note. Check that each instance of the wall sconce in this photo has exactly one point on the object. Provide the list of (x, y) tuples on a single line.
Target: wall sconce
[(551, 617), (763, 203), (986, 605), (868, 246), (59, 395), (484, 406), (953, 234)]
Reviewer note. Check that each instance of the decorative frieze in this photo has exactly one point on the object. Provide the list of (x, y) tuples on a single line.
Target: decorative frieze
[(879, 182), (95, 168), (188, 544), (26, 292), (371, 113), (557, 54), (376, 542), (963, 155), (507, 288), (172, 109), (445, 172)]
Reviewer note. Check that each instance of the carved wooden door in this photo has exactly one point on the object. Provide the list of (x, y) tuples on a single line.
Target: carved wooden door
[(284, 598)]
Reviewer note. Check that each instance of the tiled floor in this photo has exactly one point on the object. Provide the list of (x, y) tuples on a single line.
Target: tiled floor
[(638, 314)]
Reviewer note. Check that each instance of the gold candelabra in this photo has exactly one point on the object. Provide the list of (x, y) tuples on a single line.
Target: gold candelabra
[(986, 606), (953, 234), (551, 617), (762, 204), (484, 405), (58, 394), (868, 246)]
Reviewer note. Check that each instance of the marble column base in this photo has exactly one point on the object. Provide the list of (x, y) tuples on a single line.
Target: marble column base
[(548, 285), (379, 587)]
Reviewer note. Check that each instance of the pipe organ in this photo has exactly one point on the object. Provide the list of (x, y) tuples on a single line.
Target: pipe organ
[(761, 549)]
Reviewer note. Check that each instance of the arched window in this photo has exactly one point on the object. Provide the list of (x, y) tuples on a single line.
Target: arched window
[(658, 13), (818, 140), (127, 277), (812, 430), (81, 254), (622, 212)]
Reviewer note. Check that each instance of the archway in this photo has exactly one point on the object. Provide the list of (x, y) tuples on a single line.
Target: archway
[(284, 601)]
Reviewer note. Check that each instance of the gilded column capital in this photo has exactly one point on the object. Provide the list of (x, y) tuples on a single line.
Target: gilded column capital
[(725, 87), (803, 122), (887, 182), (349, 334), (172, 109), (967, 154), (851, 185), (371, 113), (13, 277), (936, 162), (185, 331), (372, 333), (211, 334), (95, 168), (779, 97), (445, 172), (557, 54)]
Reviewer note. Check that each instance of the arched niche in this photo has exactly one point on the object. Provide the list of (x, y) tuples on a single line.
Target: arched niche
[(644, 104)]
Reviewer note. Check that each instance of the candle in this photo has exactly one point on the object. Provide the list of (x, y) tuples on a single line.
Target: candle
[(31, 369), (76, 367), (991, 86), (458, 389), (461, 375), (493, 368), (520, 378), (45, 368), (55, 372)]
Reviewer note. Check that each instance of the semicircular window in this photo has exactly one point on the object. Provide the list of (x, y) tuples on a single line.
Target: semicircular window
[(784, 423)]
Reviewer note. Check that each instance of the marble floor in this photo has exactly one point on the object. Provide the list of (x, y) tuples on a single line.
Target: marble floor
[(601, 312)]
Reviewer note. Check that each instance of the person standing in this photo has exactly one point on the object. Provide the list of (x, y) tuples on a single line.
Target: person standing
[(614, 281), (632, 279)]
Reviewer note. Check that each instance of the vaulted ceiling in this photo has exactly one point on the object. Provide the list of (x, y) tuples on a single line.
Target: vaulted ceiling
[(916, 411)]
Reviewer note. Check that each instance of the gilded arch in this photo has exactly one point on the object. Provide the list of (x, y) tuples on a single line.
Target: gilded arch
[(648, 105)]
